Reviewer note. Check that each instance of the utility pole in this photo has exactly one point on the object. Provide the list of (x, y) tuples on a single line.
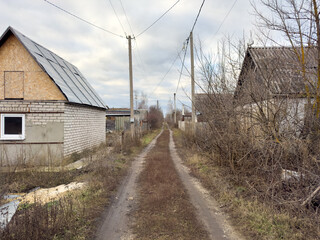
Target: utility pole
[(136, 100), (131, 87), (175, 109), (192, 86), (157, 104)]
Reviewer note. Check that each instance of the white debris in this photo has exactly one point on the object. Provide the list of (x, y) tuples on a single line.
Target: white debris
[(287, 175), (46, 195), (6, 212)]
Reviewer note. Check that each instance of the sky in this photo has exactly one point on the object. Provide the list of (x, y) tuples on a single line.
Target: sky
[(102, 57)]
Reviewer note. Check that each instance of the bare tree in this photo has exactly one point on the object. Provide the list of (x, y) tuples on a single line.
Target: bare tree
[(155, 117), (298, 22)]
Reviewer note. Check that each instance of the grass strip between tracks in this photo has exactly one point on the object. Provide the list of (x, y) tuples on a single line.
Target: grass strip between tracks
[(164, 210)]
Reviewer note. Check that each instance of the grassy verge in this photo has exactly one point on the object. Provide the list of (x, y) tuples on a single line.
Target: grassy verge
[(164, 210), (77, 215), (252, 218)]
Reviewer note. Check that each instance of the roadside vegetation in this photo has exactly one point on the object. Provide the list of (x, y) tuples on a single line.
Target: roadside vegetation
[(164, 210), (256, 145), (77, 214), (245, 199)]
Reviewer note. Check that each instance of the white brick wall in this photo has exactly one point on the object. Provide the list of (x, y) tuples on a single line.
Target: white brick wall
[(84, 127), (37, 113)]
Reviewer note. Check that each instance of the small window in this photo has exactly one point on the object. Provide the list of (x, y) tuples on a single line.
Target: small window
[(12, 126)]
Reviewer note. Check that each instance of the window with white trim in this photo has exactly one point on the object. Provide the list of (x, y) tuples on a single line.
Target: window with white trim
[(12, 126)]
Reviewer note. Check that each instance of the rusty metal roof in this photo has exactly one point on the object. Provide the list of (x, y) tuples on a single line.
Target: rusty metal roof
[(66, 76)]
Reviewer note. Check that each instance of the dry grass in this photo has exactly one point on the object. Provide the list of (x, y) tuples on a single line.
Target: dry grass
[(78, 214), (74, 216), (164, 210), (251, 214)]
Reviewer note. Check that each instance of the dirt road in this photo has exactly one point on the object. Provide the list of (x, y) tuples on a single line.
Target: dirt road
[(208, 211), (115, 225), (116, 221)]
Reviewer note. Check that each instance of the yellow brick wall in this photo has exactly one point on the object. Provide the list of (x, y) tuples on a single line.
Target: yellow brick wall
[(37, 84)]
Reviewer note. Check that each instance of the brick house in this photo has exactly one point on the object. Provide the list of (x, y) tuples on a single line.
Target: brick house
[(48, 110)]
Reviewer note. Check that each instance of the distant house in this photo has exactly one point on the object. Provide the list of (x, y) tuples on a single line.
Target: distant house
[(118, 119), (271, 88), (212, 106), (48, 110)]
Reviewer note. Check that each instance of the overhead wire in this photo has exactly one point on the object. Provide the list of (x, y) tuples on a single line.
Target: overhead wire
[(165, 75), (83, 20), (193, 26), (226, 16), (184, 104), (138, 57), (182, 66), (195, 22), (158, 19), (188, 39), (114, 10), (124, 11)]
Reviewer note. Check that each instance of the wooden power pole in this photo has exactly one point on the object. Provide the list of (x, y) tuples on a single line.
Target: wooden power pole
[(193, 119), (131, 87)]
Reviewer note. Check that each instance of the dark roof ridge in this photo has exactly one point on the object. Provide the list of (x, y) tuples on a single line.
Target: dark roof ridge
[(277, 47)]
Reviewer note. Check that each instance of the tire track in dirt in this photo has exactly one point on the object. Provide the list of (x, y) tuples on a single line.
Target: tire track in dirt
[(164, 209), (207, 209), (115, 224)]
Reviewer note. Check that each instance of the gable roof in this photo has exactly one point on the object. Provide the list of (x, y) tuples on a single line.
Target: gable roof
[(277, 69), (66, 76)]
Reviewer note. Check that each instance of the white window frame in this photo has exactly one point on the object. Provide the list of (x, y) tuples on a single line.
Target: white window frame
[(12, 136)]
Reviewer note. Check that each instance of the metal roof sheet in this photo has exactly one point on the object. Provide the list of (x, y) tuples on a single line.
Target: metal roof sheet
[(280, 66), (65, 75), (276, 71)]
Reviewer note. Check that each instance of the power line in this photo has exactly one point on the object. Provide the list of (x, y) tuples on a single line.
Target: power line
[(158, 19), (226, 16), (124, 11), (138, 57), (162, 79), (184, 103), (184, 57), (182, 66), (195, 22), (118, 18), (83, 20)]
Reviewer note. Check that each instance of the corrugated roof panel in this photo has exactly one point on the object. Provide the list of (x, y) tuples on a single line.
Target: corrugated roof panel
[(284, 67), (58, 80), (85, 84), (83, 90), (95, 96), (92, 97), (72, 85), (66, 76), (31, 46), (46, 53), (87, 97)]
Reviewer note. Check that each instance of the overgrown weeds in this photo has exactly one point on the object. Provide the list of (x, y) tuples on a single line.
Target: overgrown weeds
[(77, 214), (250, 187)]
